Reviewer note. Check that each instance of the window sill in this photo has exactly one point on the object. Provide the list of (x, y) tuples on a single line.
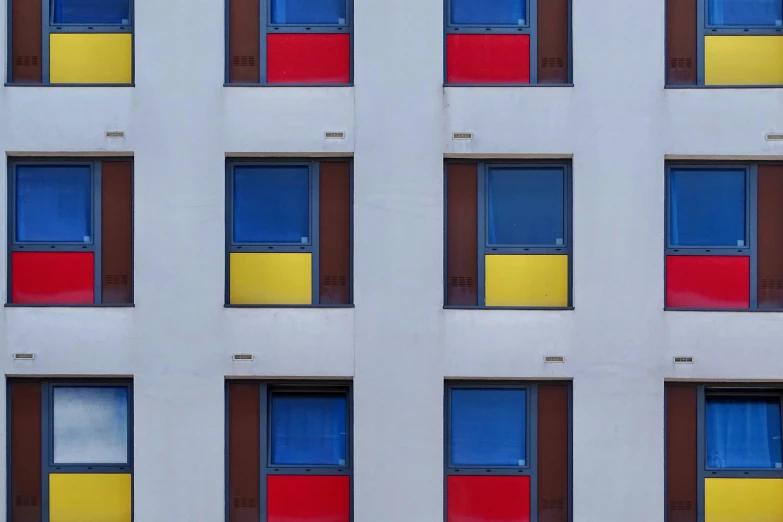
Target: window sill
[(321, 306), (451, 85), (19, 305), (733, 310), (70, 85), (343, 85), (686, 87), (539, 308)]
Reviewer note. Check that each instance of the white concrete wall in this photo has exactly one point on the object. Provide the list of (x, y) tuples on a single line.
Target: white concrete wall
[(398, 344)]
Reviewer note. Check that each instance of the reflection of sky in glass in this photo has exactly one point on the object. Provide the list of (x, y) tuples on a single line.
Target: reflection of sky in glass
[(90, 425)]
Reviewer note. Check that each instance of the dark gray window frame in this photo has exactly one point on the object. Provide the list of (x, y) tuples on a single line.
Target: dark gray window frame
[(47, 436), (312, 247), (484, 248), (94, 246), (750, 249), (267, 27)]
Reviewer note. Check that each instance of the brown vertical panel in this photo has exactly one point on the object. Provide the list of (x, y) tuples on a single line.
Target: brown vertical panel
[(117, 231), (244, 37), (26, 43), (681, 42), (770, 236), (553, 41), (462, 234), (335, 233), (25, 451), (244, 432), (552, 453), (681, 453)]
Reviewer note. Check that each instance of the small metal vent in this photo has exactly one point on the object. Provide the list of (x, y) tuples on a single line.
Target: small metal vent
[(24, 356), (462, 282), (557, 504), (774, 137), (681, 63), (462, 135), (335, 135), (115, 134), (552, 62), (26, 501), (242, 357), (115, 279), (243, 61), (683, 360), (245, 502), (772, 284), (554, 359), (681, 505), (27, 61), (334, 280)]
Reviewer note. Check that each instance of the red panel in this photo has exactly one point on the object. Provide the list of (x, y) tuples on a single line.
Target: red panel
[(308, 58), (305, 498), (479, 58), (707, 282), (52, 278), (488, 499)]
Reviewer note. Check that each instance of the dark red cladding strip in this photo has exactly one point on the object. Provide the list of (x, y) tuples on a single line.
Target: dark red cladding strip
[(26, 41), (553, 41), (770, 237), (487, 59), (244, 41), (461, 234), (681, 42), (553, 453), (308, 498), (681, 453), (117, 233), (25, 452), (309, 58), (335, 232), (244, 432)]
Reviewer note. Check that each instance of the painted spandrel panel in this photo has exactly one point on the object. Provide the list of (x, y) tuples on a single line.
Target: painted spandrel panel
[(308, 430), (743, 500), (52, 278), (743, 60), (271, 279), (90, 58), (526, 280), (488, 59), (303, 498), (707, 281), (90, 425), (89, 497), (488, 499), (308, 59)]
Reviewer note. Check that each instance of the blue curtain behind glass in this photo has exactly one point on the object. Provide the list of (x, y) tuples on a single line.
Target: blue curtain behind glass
[(308, 11), (308, 430), (743, 432), (525, 206), (707, 208), (271, 204), (744, 12), (488, 427), (53, 203), (487, 12), (91, 12)]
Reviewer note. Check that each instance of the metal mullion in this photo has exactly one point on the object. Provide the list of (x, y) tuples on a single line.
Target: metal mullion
[(481, 232), (531, 425), (701, 462), (700, 33), (314, 233), (751, 208), (90, 28), (264, 448), (569, 237), (52, 247), (309, 470), (97, 232), (532, 22), (10, 220), (46, 445), (229, 214), (709, 251), (308, 29), (522, 250), (45, 31), (270, 249), (488, 29), (263, 59)]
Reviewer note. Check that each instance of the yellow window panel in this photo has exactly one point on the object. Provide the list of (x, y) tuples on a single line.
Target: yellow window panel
[(271, 279), (86, 497), (90, 58), (743, 60), (526, 280), (743, 500)]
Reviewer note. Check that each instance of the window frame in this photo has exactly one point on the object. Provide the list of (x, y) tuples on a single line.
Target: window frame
[(95, 246), (484, 248)]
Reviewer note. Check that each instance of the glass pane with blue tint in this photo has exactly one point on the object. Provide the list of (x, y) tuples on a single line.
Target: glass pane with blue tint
[(309, 12), (272, 204), (110, 12), (90, 425), (525, 207), (707, 208), (743, 432), (488, 427), (488, 12), (53, 203), (309, 429), (745, 12)]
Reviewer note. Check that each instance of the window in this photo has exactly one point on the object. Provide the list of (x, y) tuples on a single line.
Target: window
[(508, 235), (70, 450), (70, 232), (507, 451), (289, 445), (724, 42), (79, 42), (507, 42), (723, 447), (724, 224), (289, 233), (289, 42)]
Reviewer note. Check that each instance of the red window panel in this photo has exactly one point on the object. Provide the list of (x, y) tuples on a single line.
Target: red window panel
[(488, 499), (488, 59), (52, 278), (307, 498), (707, 282), (308, 58)]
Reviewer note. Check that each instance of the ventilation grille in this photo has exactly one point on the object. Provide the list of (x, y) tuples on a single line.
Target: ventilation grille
[(772, 284), (681, 505), (552, 62), (115, 279), (27, 61), (243, 61), (462, 282), (334, 280), (681, 63), (26, 501), (245, 502), (557, 504)]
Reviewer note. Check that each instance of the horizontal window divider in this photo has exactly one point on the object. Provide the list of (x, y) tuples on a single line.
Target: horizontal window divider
[(489, 471), (717, 251), (739, 31), (88, 29), (288, 306), (308, 29), (697, 87), (738, 473), (540, 308), (98, 468), (489, 85), (259, 249), (85, 305), (60, 85), (563, 250), (732, 310), (513, 29), (278, 85), (313, 470), (30, 247)]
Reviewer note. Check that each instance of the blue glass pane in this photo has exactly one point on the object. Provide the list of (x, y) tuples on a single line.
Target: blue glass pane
[(743, 432), (525, 207), (53, 203), (308, 12), (488, 427), (92, 12), (745, 12), (488, 12), (707, 208), (308, 430), (272, 204)]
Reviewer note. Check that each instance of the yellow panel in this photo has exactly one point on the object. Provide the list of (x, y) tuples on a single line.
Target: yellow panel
[(271, 279), (743, 60), (743, 500), (526, 280), (90, 58), (86, 497)]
